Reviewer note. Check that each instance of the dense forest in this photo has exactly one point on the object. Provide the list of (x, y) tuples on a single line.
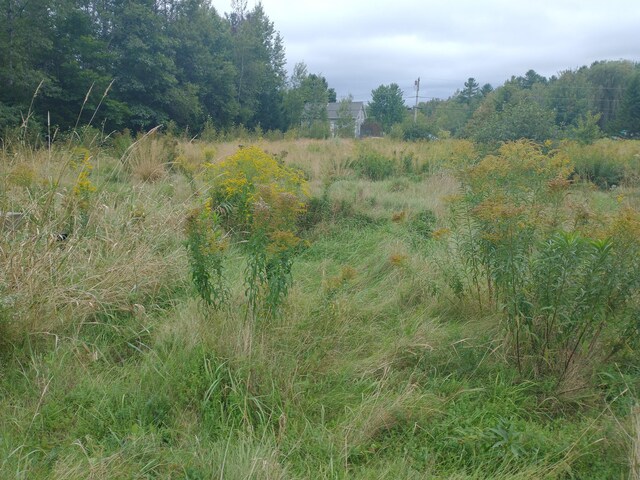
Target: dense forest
[(138, 64)]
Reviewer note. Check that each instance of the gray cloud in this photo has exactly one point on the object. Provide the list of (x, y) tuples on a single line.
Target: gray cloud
[(358, 45)]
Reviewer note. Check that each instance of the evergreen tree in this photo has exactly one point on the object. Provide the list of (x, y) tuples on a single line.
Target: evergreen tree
[(470, 91), (530, 79), (486, 90)]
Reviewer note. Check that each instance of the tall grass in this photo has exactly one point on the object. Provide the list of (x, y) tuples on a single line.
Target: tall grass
[(381, 364), (634, 453)]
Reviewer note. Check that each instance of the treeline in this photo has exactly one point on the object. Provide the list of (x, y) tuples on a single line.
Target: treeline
[(137, 64), (603, 98)]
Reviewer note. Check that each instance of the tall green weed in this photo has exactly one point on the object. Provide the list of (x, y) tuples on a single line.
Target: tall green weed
[(558, 289)]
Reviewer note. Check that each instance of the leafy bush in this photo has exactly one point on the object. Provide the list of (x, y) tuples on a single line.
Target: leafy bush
[(587, 130), (604, 163), (572, 290), (373, 165), (318, 210), (371, 128), (317, 129), (418, 131), (411, 131), (396, 132), (559, 291)]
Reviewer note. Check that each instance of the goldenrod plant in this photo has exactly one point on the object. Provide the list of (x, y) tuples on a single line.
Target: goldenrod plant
[(255, 200), (560, 289), (83, 188), (207, 244)]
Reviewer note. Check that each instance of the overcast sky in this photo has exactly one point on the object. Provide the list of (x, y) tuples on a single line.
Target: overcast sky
[(361, 44)]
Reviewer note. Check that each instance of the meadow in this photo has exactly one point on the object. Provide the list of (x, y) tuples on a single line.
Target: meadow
[(444, 310)]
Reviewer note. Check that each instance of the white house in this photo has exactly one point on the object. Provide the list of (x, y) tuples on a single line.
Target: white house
[(356, 110)]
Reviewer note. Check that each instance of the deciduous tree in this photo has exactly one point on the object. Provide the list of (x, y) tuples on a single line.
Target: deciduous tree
[(387, 105)]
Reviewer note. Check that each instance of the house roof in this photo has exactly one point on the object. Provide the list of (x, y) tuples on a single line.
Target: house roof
[(354, 109)]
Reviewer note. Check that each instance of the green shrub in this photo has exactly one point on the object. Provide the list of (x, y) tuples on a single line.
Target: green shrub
[(586, 131), (206, 245), (601, 170), (423, 224), (373, 165), (560, 291), (396, 132), (408, 163), (120, 143), (371, 128), (417, 131), (606, 162), (318, 210)]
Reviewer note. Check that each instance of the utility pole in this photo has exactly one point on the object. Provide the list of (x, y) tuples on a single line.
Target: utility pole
[(415, 109)]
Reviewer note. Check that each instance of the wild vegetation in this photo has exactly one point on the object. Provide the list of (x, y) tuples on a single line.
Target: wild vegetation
[(177, 308), (199, 283)]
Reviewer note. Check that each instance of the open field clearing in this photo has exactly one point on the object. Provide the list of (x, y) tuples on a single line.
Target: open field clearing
[(300, 309)]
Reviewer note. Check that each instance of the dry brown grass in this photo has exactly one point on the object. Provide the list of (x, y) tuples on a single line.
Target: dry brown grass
[(332, 159), (634, 453), (195, 152), (59, 269), (376, 199), (150, 157), (48, 283)]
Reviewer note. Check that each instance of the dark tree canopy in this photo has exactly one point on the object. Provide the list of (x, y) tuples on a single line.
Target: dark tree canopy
[(158, 61), (629, 119)]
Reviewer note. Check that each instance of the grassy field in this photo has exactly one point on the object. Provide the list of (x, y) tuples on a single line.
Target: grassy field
[(395, 354)]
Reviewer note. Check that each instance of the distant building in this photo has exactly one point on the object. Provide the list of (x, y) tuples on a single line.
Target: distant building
[(357, 112)]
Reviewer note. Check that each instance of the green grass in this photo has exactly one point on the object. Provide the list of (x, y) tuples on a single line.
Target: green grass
[(375, 367)]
